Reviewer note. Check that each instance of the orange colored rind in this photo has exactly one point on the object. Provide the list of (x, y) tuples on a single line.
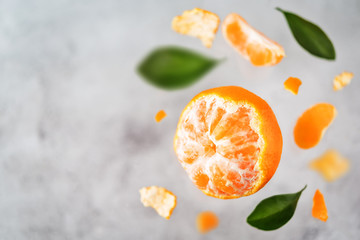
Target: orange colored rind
[(312, 124), (251, 44), (331, 165), (159, 198), (342, 80), (292, 84), (228, 141), (197, 23), (319, 210), (160, 115), (206, 221)]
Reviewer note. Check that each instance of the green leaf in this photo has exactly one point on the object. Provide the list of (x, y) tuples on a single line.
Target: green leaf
[(174, 67), (310, 36), (274, 212)]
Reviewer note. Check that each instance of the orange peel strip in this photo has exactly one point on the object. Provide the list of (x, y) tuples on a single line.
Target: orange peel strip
[(197, 23), (331, 165), (160, 115), (312, 124), (319, 210), (342, 80), (292, 84), (206, 221), (159, 198)]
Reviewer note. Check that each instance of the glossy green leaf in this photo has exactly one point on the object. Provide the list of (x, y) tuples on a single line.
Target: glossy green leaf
[(274, 212), (310, 36), (174, 67)]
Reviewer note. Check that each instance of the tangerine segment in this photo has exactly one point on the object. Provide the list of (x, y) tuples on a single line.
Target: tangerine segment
[(319, 210), (206, 221), (292, 84), (331, 165), (197, 23), (312, 124), (160, 115), (228, 141), (342, 80), (253, 45), (159, 198)]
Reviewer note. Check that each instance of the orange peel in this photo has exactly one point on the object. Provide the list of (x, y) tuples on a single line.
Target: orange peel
[(206, 221), (292, 84), (312, 124), (342, 80), (159, 198), (331, 165), (319, 209), (197, 23), (160, 115)]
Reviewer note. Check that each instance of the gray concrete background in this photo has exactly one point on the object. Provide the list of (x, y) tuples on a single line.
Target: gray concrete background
[(78, 137)]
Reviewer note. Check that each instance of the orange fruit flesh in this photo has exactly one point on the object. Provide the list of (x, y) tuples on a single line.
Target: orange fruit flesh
[(292, 84), (319, 210), (160, 115), (206, 221), (253, 45), (221, 145), (312, 124)]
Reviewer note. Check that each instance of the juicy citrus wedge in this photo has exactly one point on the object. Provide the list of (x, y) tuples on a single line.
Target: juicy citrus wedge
[(206, 221), (292, 84), (253, 45), (319, 210), (162, 200), (228, 141), (312, 124), (160, 115), (197, 23), (331, 165), (342, 80)]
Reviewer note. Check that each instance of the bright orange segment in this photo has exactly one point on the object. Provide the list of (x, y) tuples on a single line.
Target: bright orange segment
[(292, 84), (331, 165), (206, 221), (229, 142), (253, 45), (319, 210), (312, 124), (159, 198), (197, 23), (342, 80), (160, 115)]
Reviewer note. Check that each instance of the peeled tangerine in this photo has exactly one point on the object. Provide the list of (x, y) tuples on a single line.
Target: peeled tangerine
[(251, 44), (206, 221), (159, 198), (312, 124), (331, 165), (229, 142), (342, 80), (197, 23), (319, 210), (292, 84)]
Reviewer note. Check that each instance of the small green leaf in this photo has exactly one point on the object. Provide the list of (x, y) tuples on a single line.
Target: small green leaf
[(274, 212), (310, 36), (174, 67)]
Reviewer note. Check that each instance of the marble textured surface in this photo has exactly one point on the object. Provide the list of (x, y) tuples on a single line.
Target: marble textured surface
[(77, 130)]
